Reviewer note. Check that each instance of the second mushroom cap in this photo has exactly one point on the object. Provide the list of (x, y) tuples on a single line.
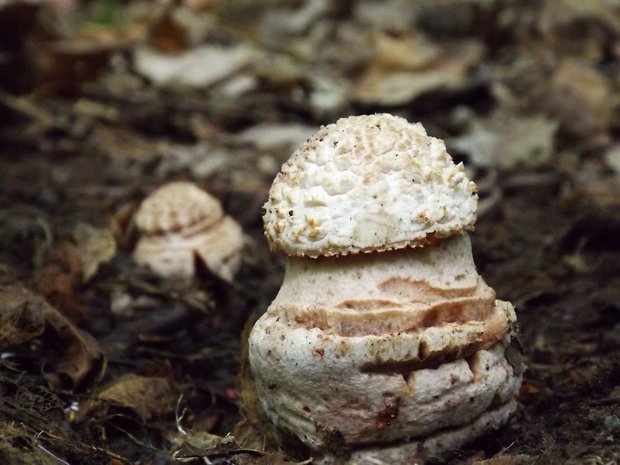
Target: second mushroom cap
[(178, 221)]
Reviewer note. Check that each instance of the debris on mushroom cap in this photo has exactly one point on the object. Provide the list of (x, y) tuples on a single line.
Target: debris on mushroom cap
[(180, 221), (368, 183)]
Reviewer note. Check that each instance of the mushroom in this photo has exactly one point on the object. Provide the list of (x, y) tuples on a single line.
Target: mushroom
[(383, 344), (178, 221)]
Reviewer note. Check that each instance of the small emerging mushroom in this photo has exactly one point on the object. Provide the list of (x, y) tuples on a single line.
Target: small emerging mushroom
[(383, 343), (178, 221)]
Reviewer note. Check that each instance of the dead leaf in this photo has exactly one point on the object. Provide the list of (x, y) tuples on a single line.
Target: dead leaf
[(61, 267), (17, 442), (69, 356), (556, 14), (393, 79), (581, 98), (68, 63), (197, 68), (612, 158), (197, 445), (519, 459), (410, 51), (122, 145), (597, 189), (387, 15), (329, 95), (147, 396), (506, 139), (58, 271), (270, 137), (96, 246), (22, 316), (295, 21)]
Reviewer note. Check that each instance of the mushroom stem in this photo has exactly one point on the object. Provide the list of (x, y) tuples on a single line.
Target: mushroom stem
[(383, 345), (407, 290), (383, 340)]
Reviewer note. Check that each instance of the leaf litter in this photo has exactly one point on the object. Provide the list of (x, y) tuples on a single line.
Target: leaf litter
[(104, 101)]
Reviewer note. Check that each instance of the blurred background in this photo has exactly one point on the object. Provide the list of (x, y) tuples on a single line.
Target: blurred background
[(103, 101)]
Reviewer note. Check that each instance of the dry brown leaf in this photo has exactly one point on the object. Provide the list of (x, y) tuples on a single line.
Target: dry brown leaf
[(147, 396), (96, 247), (581, 99), (68, 63), (279, 138), (57, 273), (519, 459), (203, 445), (22, 316), (122, 144), (506, 139), (394, 80), (612, 158), (405, 52), (556, 13), (197, 68), (17, 442), (61, 267), (80, 356), (69, 356)]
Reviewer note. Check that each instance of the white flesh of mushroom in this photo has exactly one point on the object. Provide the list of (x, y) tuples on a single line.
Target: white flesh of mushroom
[(391, 347), (179, 221)]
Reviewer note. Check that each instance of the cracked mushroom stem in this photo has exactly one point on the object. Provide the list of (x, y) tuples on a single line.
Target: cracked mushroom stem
[(180, 221), (383, 334)]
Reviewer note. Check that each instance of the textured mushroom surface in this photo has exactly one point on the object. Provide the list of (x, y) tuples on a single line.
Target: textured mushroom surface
[(367, 183), (435, 447), (399, 354), (177, 206), (383, 347), (180, 220)]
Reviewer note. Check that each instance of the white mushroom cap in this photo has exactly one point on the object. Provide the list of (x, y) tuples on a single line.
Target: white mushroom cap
[(175, 206), (179, 221), (368, 183)]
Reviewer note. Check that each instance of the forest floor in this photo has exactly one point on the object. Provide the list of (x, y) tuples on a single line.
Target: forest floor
[(103, 362)]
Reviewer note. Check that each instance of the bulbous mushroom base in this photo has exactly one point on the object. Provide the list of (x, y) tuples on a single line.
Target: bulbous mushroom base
[(436, 448), (404, 355), (319, 387)]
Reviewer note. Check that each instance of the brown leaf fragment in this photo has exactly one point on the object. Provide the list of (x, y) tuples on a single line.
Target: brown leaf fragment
[(68, 355), (58, 271), (612, 158), (557, 14), (61, 267), (187, 70), (122, 145), (391, 79), (67, 63), (519, 459), (21, 319), (95, 246), (17, 447), (196, 445), (79, 358), (147, 396), (580, 98), (506, 139)]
